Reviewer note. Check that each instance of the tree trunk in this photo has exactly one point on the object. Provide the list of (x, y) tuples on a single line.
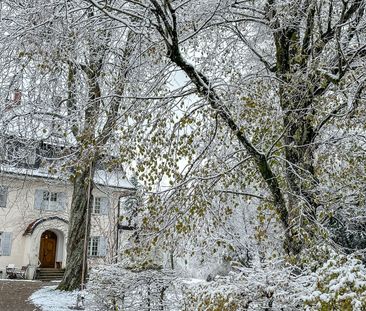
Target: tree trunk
[(300, 45), (296, 98), (79, 219), (300, 177)]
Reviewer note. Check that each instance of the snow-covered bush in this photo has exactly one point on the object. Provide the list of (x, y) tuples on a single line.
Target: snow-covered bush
[(220, 294), (117, 287), (340, 284), (337, 284), (272, 287)]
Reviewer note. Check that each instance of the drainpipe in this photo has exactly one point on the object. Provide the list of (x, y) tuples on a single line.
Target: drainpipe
[(117, 225), (85, 250)]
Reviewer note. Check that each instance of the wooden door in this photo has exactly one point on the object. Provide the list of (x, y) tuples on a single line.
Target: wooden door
[(47, 249)]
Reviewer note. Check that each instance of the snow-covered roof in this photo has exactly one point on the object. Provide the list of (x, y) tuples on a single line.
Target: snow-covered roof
[(31, 172), (115, 179)]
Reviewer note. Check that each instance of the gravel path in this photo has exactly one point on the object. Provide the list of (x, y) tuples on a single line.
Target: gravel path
[(14, 295)]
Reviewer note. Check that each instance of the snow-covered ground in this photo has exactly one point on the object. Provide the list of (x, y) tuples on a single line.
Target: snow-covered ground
[(50, 299)]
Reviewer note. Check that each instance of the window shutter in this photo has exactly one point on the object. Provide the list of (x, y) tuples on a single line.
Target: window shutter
[(104, 206), (38, 199), (6, 243), (61, 197), (3, 196), (102, 246)]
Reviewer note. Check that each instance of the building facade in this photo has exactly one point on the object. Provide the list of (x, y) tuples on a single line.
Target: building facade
[(34, 216)]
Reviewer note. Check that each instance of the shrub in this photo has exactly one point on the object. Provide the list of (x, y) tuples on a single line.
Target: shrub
[(340, 284), (116, 287), (264, 287)]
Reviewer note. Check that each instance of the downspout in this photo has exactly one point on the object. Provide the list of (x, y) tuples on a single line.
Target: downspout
[(117, 224)]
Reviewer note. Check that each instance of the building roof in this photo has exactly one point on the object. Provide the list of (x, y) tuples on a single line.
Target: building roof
[(114, 179)]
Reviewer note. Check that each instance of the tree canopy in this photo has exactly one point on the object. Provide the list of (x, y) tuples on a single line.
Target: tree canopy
[(243, 120)]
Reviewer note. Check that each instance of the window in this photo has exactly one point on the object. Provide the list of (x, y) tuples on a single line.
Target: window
[(3, 196), (100, 205), (45, 196), (20, 153), (5, 243), (53, 197), (96, 246), (50, 151), (51, 201), (12, 152), (97, 205), (93, 246)]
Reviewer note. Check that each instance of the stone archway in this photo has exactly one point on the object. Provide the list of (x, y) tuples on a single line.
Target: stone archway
[(33, 235)]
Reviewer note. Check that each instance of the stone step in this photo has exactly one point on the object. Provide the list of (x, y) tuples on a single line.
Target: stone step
[(49, 274), (58, 278), (49, 279)]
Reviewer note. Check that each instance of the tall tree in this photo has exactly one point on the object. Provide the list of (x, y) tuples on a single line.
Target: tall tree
[(61, 61), (309, 50), (99, 123)]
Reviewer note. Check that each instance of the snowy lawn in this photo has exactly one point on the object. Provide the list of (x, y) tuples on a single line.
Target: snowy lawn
[(50, 299)]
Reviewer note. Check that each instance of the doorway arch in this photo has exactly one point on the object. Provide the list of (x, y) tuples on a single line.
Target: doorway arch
[(47, 249)]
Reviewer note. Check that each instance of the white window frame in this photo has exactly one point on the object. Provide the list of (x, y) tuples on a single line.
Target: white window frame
[(97, 205), (93, 246), (50, 200), (97, 246), (46, 200), (102, 203)]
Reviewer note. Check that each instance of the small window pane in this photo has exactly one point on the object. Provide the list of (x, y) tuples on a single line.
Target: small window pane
[(97, 205), (53, 196), (93, 246), (46, 196)]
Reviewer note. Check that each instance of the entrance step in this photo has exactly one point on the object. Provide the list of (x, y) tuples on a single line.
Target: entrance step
[(50, 274)]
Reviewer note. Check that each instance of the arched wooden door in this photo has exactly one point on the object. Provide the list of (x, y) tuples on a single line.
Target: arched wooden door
[(47, 249)]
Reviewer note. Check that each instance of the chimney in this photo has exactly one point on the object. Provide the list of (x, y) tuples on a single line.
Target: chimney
[(17, 97)]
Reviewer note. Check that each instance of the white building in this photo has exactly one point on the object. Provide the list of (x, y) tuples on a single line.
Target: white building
[(34, 215)]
